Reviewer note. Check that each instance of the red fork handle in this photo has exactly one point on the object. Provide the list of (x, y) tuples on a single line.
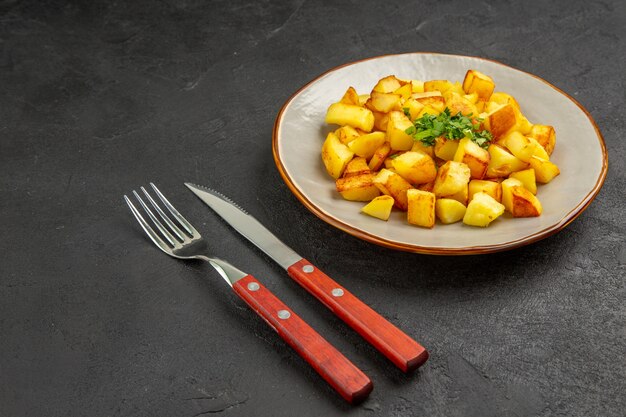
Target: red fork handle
[(392, 342), (348, 380)]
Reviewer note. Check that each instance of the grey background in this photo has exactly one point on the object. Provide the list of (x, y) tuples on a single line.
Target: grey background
[(98, 98)]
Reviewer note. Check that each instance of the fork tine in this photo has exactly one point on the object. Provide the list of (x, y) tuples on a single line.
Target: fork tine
[(166, 219), (179, 217), (146, 227), (157, 223)]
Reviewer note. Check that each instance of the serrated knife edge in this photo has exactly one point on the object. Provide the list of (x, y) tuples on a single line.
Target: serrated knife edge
[(246, 225)]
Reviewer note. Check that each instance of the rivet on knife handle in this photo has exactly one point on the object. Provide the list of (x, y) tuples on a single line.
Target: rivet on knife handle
[(348, 380), (396, 345)]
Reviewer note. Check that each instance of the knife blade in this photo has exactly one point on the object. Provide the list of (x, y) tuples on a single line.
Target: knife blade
[(397, 346)]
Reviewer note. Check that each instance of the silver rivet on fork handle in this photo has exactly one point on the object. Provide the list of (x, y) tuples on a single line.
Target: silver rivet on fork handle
[(284, 314), (337, 292)]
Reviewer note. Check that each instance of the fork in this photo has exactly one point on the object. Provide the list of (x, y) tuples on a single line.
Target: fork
[(179, 239)]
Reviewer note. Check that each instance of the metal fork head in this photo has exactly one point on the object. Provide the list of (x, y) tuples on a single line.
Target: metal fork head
[(177, 238), (174, 237)]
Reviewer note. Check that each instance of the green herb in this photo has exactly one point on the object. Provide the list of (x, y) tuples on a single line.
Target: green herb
[(428, 128), (407, 111), (482, 138)]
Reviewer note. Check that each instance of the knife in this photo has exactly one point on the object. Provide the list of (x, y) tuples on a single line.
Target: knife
[(392, 342)]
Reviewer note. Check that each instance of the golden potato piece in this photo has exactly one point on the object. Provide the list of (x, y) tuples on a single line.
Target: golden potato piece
[(500, 121), (449, 211), (351, 97), (458, 104), (472, 155), (481, 106), (347, 134), (415, 167), (388, 84), (418, 146), (522, 124), (421, 208), (414, 107), (502, 162), (493, 188), (363, 99), (367, 144), (405, 91), (428, 186), (539, 150), (380, 207), (425, 94), (482, 210), (472, 98), (445, 148), (335, 155), (524, 203), (357, 166), (504, 98), (428, 110), (507, 192), (492, 106), (519, 145), (397, 137), (457, 87), (462, 196), (436, 102), (383, 102), (392, 184), (479, 83), (358, 187), (379, 156), (527, 178), (437, 85), (380, 120), (417, 86), (451, 179), (545, 171), (350, 114), (545, 135)]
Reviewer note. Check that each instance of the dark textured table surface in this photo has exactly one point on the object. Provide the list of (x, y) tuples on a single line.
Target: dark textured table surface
[(98, 98)]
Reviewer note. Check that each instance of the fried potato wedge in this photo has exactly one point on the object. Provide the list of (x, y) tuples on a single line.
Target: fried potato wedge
[(357, 166), (380, 207), (449, 211), (350, 114), (545, 135), (451, 179), (472, 155), (482, 210), (335, 155), (357, 187), (421, 208), (479, 83), (545, 171), (415, 167), (392, 184)]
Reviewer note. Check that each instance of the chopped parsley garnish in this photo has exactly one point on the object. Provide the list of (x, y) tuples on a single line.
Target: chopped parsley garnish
[(428, 128)]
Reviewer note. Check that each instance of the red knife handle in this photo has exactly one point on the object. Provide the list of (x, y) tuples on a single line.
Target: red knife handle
[(348, 380), (396, 345)]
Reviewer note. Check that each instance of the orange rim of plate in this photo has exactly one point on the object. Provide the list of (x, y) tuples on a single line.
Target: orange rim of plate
[(468, 250)]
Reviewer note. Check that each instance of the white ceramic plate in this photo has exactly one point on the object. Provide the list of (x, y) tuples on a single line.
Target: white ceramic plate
[(580, 153)]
